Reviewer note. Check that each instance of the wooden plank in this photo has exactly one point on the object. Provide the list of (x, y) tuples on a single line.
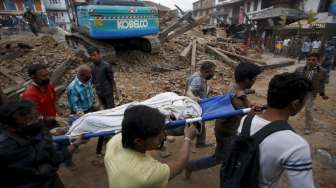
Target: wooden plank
[(59, 91), (277, 65), (193, 57), (186, 52), (14, 88), (163, 35), (16, 79), (185, 28), (221, 56), (3, 97), (244, 58), (59, 72)]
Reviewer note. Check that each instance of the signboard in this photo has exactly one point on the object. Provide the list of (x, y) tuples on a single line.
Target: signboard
[(132, 24)]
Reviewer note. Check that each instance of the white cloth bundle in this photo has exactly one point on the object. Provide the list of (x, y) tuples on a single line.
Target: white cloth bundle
[(170, 104)]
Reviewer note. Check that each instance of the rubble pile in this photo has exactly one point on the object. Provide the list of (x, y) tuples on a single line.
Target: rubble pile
[(139, 75), (17, 55)]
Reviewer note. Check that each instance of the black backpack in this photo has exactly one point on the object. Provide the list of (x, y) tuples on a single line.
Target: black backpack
[(240, 168)]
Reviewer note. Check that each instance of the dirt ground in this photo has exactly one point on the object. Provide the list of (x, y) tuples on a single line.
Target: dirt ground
[(90, 176)]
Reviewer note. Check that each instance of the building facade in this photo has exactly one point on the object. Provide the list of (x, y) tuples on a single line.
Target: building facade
[(204, 8), (266, 12), (17, 7), (230, 12), (57, 12)]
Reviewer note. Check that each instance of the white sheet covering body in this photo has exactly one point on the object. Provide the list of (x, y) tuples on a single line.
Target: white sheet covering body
[(170, 104)]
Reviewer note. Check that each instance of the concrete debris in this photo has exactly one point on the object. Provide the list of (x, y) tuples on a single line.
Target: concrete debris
[(193, 56), (18, 54), (148, 74)]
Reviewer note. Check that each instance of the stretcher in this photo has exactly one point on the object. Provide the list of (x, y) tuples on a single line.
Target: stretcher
[(179, 110)]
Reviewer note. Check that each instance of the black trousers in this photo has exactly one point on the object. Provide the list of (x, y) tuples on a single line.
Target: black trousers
[(108, 102)]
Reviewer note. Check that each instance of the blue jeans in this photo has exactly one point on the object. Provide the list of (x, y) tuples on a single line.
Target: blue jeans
[(205, 162)]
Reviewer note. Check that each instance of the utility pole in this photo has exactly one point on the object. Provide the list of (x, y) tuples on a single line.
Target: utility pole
[(301, 14)]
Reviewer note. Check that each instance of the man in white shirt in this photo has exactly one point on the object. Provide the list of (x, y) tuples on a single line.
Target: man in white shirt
[(286, 46), (316, 45), (284, 150)]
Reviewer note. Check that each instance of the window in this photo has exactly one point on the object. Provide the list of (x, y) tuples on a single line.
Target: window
[(10, 5), (265, 4), (255, 7)]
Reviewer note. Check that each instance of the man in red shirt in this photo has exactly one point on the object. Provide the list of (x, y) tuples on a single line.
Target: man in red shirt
[(42, 93)]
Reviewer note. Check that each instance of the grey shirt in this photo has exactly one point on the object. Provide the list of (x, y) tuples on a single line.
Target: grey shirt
[(198, 85), (103, 78)]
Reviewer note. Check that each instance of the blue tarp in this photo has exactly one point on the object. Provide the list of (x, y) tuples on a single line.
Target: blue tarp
[(215, 106), (212, 108)]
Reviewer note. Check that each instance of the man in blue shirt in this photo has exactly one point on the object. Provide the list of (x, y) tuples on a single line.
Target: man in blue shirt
[(305, 50), (328, 57), (80, 92)]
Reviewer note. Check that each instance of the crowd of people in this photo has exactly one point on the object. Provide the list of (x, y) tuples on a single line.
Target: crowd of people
[(301, 48), (12, 24), (289, 48), (29, 21), (28, 153)]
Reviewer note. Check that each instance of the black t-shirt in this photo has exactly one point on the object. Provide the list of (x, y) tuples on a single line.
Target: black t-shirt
[(102, 78), (29, 162)]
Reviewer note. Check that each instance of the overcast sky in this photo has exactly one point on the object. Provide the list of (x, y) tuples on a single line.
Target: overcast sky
[(184, 4)]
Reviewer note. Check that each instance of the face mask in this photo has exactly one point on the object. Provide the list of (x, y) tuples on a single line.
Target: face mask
[(30, 130), (41, 82), (209, 77)]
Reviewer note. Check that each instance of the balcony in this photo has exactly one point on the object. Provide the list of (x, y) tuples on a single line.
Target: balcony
[(276, 12)]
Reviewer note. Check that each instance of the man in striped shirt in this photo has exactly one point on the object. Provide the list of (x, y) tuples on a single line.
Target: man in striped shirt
[(284, 151), (318, 76)]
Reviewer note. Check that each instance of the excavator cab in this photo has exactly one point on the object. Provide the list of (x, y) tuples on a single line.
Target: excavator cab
[(108, 24), (116, 19)]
